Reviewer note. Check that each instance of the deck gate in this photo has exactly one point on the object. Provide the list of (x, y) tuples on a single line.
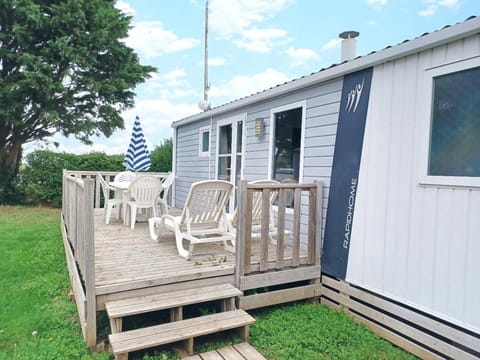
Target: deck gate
[(295, 254)]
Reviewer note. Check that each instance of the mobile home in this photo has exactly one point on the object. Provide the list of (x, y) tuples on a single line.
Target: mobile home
[(395, 138)]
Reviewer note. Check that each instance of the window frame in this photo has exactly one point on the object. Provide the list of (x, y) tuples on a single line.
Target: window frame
[(201, 131), (426, 114), (273, 111)]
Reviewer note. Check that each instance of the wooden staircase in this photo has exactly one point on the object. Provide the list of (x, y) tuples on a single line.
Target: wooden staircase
[(178, 329)]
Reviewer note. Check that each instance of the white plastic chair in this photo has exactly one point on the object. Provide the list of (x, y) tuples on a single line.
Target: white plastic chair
[(123, 177), (126, 176), (257, 203), (162, 201), (142, 194), (203, 219), (109, 203)]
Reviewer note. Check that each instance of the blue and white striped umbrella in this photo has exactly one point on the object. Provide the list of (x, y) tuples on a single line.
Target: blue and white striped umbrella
[(137, 157)]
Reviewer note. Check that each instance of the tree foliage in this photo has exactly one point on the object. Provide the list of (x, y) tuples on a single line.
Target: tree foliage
[(161, 157), (63, 69)]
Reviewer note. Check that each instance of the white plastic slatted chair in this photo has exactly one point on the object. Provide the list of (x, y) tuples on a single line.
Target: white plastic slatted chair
[(127, 176), (109, 203), (163, 197), (203, 219), (257, 203), (124, 176), (143, 193)]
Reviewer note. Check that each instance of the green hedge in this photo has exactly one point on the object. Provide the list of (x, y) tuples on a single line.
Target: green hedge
[(40, 178), (161, 157)]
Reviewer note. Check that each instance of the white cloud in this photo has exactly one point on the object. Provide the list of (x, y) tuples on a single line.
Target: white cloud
[(174, 74), (125, 8), (241, 19), (331, 44), (156, 117), (150, 39), (376, 4), (169, 86), (261, 40), (233, 17), (241, 86), (301, 56), (435, 5), (448, 3)]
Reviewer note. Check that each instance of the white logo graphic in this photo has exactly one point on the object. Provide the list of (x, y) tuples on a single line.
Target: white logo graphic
[(354, 97)]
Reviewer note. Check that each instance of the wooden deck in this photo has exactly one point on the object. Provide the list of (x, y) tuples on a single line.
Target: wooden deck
[(113, 262), (129, 263), (127, 259)]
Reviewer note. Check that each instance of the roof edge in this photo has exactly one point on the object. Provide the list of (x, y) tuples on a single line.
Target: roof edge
[(469, 27)]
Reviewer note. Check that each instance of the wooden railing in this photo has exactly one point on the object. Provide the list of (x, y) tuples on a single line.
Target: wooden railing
[(78, 236), (108, 176), (292, 260), (81, 194)]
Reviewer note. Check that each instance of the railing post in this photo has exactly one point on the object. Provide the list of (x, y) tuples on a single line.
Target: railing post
[(297, 209), (281, 228), (265, 229), (318, 222), (89, 265), (97, 191), (240, 237)]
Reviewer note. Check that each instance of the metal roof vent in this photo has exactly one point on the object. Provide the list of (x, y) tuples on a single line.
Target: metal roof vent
[(349, 44)]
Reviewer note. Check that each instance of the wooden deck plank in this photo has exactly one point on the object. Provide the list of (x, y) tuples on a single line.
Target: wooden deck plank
[(248, 351), (126, 259), (242, 351), (230, 353)]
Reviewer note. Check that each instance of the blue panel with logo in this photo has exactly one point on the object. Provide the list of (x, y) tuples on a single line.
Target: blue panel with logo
[(346, 165)]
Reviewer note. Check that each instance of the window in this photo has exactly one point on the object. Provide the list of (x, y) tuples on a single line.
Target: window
[(455, 130), (453, 154), (204, 141), (286, 142)]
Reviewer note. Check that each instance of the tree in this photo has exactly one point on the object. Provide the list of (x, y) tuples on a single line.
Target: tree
[(64, 69), (161, 157)]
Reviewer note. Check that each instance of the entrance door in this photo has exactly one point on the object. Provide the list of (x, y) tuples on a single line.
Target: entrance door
[(230, 152)]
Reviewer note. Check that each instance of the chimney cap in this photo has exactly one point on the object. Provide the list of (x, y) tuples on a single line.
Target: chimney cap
[(348, 34)]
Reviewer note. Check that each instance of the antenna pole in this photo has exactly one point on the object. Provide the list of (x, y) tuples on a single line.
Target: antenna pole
[(205, 80)]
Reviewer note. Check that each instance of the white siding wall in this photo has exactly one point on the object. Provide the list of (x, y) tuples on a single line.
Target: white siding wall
[(190, 167), (322, 107), (418, 244)]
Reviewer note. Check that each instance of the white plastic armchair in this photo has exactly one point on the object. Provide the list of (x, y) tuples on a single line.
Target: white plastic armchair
[(125, 176), (142, 194), (163, 197), (203, 219), (257, 203), (109, 203)]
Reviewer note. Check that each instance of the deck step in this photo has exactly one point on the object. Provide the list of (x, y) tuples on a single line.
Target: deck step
[(132, 340), (174, 300)]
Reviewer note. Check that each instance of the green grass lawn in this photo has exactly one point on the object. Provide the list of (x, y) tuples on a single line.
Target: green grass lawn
[(38, 321)]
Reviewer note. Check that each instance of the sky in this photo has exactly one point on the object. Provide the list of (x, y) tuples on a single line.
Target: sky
[(253, 45)]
